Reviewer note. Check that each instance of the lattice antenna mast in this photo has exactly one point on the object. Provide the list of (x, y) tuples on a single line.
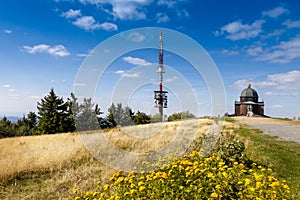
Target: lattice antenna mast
[(160, 96)]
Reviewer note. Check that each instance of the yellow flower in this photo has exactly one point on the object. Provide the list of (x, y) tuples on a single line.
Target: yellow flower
[(126, 193), (105, 187), (75, 190), (142, 188), (225, 174), (132, 191), (119, 180), (275, 184), (258, 184), (181, 187), (252, 189), (247, 181), (140, 183), (285, 186), (210, 175), (214, 195)]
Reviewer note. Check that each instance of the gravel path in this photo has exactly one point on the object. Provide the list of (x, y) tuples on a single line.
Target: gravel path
[(286, 130)]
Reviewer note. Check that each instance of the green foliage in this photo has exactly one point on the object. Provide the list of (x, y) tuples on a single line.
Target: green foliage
[(230, 149), (193, 177), (6, 128), (86, 118), (141, 118), (180, 116), (156, 118), (53, 115), (24, 126), (117, 115)]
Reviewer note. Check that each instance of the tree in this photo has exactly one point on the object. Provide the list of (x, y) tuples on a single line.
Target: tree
[(141, 118), (6, 128), (87, 117), (110, 117), (117, 115), (52, 114), (26, 125), (127, 117), (180, 116)]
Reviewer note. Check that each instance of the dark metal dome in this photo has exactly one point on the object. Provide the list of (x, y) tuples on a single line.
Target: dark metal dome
[(249, 92)]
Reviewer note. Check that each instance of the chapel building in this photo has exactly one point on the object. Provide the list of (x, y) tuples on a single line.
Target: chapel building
[(249, 105)]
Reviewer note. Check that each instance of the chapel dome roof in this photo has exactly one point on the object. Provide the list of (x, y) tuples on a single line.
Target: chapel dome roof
[(249, 92)]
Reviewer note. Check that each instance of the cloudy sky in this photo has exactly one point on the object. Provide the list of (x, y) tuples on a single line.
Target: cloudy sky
[(44, 43)]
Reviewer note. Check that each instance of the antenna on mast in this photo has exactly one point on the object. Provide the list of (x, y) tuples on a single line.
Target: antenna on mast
[(160, 96)]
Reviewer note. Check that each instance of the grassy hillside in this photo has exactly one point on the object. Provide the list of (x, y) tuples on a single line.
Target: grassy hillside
[(51, 166)]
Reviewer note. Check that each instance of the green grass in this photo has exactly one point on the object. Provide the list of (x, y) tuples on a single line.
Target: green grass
[(282, 156)]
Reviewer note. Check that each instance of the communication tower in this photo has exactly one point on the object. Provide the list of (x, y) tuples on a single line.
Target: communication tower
[(160, 96)]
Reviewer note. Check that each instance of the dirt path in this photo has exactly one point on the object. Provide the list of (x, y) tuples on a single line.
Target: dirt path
[(286, 130)]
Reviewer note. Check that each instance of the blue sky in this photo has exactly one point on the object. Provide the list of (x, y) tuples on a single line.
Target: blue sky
[(43, 44)]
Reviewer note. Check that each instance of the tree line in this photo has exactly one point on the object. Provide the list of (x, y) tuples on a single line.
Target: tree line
[(58, 116)]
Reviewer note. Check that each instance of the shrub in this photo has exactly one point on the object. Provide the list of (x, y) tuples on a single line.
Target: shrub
[(193, 177)]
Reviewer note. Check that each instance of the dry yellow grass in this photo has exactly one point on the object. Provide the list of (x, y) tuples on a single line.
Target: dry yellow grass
[(33, 153), (51, 166)]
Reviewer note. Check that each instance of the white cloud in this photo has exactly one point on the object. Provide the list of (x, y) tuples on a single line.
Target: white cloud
[(284, 52), (276, 106), (287, 81), (292, 24), (126, 74), (79, 84), (229, 52), (182, 13), (268, 93), (276, 12), (240, 84), (281, 81), (88, 23), (120, 72), (6, 86), (7, 31), (136, 61), (276, 32), (162, 17), (168, 3), (237, 31), (254, 50), (172, 79), (71, 14), (57, 50), (136, 37), (131, 75), (122, 9), (108, 26), (11, 90)]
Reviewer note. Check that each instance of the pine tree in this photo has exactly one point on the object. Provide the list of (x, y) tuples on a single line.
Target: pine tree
[(6, 128), (87, 117), (110, 117), (127, 118), (52, 114), (141, 118)]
